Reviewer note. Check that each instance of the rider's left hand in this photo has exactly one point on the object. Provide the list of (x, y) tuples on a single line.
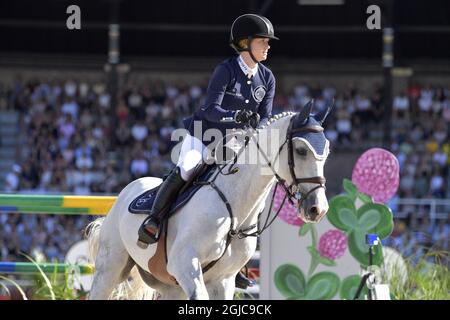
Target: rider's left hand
[(254, 120)]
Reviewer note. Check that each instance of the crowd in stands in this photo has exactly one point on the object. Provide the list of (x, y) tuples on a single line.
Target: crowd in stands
[(73, 142), (416, 238)]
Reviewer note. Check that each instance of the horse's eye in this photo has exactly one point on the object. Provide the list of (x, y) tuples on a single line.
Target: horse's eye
[(301, 151)]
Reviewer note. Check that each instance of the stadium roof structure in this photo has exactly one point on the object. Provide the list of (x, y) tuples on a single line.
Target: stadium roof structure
[(201, 27)]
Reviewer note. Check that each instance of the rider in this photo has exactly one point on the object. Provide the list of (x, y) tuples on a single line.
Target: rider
[(241, 89)]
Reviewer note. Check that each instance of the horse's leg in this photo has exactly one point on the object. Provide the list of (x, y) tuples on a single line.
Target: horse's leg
[(184, 265), (221, 289), (112, 263), (111, 268)]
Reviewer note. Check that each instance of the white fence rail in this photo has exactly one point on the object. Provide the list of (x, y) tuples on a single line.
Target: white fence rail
[(436, 208)]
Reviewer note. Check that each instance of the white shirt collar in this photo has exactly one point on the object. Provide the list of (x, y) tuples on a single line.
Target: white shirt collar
[(249, 72)]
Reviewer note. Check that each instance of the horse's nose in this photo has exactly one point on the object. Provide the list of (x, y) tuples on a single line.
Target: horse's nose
[(316, 211), (313, 212)]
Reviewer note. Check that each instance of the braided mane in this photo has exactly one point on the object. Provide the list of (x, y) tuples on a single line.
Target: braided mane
[(278, 117)]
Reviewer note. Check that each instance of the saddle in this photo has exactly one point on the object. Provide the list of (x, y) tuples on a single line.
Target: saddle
[(143, 203)]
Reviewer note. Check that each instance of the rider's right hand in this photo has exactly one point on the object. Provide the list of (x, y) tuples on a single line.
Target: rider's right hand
[(242, 116)]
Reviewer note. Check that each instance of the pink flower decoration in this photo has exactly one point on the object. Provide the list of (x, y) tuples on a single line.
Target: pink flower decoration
[(377, 173), (332, 244), (288, 213)]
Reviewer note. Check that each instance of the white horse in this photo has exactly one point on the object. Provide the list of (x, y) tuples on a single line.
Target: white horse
[(197, 234)]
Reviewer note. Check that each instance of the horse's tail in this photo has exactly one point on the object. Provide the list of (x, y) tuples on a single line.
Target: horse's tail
[(133, 289), (130, 289), (92, 234)]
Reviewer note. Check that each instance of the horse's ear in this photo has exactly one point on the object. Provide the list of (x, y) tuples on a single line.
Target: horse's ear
[(306, 111), (322, 115)]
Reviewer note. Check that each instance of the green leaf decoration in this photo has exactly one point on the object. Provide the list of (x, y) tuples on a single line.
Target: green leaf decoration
[(375, 218), (313, 251), (326, 261), (360, 250), (323, 260), (342, 213), (349, 187), (365, 198), (349, 287), (322, 286), (369, 219), (290, 281), (378, 255), (304, 229), (357, 246)]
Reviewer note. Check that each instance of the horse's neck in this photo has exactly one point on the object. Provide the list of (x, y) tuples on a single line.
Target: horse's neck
[(250, 186)]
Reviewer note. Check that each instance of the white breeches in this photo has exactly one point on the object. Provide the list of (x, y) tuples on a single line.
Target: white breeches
[(192, 153)]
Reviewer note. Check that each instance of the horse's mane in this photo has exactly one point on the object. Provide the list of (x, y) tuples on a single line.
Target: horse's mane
[(277, 117)]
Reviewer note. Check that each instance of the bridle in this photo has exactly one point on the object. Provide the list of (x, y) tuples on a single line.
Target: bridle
[(292, 190), (320, 180)]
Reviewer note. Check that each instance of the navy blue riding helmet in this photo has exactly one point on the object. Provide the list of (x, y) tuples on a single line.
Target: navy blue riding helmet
[(230, 90), (250, 26)]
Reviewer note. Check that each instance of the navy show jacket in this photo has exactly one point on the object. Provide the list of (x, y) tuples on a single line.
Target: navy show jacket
[(230, 90)]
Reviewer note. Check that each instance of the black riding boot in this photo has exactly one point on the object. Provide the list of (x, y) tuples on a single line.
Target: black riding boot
[(149, 231), (242, 281)]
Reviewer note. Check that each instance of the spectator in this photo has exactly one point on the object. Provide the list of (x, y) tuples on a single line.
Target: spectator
[(401, 105), (13, 178), (139, 165), (70, 107), (139, 131)]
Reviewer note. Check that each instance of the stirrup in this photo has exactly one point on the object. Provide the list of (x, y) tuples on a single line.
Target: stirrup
[(242, 282), (148, 233)]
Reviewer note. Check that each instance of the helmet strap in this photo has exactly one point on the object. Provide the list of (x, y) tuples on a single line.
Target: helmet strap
[(249, 49)]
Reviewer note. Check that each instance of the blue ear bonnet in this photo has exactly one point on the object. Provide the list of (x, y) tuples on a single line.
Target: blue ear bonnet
[(316, 141)]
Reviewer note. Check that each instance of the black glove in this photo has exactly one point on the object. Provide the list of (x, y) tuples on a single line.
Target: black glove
[(254, 120), (242, 116)]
